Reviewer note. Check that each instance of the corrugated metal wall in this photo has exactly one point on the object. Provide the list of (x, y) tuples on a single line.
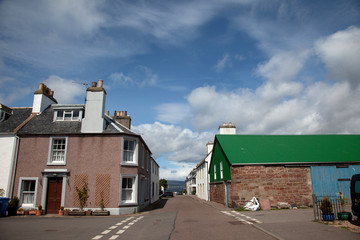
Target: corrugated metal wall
[(330, 180)]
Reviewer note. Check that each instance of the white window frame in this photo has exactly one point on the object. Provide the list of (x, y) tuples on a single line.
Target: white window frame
[(134, 195), (214, 171), (50, 161), (135, 156), (221, 170), (67, 111), (20, 192)]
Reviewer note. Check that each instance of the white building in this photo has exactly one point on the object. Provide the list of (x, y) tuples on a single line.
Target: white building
[(154, 181), (202, 176), (9, 143)]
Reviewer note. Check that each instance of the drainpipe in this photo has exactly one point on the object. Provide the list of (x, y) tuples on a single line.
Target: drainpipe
[(13, 170), (226, 193)]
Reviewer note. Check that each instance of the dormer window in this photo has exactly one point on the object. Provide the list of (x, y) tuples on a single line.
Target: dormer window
[(5, 112), (68, 112), (67, 115)]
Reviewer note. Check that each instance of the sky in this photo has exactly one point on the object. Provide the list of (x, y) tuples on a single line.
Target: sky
[(181, 68)]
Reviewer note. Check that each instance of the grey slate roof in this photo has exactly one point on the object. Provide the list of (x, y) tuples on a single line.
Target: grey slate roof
[(44, 124), (19, 115)]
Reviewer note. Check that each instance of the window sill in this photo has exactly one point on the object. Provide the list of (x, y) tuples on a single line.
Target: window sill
[(129, 164), (56, 164), (127, 204)]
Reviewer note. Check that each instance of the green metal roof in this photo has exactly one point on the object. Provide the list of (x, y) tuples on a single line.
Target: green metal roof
[(265, 149)]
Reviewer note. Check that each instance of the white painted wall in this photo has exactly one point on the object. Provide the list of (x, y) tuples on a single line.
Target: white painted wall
[(94, 112), (154, 179), (7, 152), (41, 102)]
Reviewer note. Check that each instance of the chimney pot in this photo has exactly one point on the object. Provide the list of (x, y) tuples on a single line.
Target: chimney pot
[(51, 93), (224, 124), (93, 84), (125, 113), (230, 123), (107, 113), (121, 113), (41, 86), (100, 83)]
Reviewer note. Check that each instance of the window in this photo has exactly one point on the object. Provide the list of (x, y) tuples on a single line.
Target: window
[(142, 155), (27, 192), (57, 154), (68, 115), (221, 170), (214, 171), (127, 189), (130, 151)]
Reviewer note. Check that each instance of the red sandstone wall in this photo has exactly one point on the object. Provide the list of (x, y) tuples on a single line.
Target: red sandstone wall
[(94, 156), (217, 192), (276, 183)]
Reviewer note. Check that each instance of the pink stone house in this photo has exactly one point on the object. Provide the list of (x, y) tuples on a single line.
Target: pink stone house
[(64, 146)]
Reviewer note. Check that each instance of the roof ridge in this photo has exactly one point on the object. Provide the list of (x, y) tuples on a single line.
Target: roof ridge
[(24, 122)]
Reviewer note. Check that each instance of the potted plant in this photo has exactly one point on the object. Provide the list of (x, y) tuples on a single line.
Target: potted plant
[(20, 211), (102, 211), (61, 211), (66, 211), (83, 195), (39, 211), (13, 206), (32, 211), (343, 215), (326, 209)]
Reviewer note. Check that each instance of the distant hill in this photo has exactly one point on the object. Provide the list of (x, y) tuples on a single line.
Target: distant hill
[(176, 186)]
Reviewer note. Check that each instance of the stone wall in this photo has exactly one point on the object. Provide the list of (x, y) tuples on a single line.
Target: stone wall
[(217, 192), (276, 183)]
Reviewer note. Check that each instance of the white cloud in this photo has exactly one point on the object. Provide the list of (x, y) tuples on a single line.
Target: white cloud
[(341, 54), (176, 171), (141, 76), (223, 62), (178, 144), (65, 90), (172, 112)]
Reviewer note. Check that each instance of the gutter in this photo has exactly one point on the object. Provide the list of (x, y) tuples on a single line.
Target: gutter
[(13, 167)]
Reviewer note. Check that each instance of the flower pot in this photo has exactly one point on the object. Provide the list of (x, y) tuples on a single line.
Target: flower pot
[(61, 212), (328, 217), (77, 213), (345, 216), (88, 212), (101, 213), (38, 212), (32, 212), (20, 212)]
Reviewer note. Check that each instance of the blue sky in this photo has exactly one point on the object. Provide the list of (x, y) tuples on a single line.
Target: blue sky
[(182, 68)]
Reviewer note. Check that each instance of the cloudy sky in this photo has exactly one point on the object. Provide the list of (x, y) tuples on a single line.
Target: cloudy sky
[(182, 68)]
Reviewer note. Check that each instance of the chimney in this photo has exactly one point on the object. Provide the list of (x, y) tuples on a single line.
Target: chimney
[(227, 129), (209, 147), (43, 98), (122, 118), (94, 109)]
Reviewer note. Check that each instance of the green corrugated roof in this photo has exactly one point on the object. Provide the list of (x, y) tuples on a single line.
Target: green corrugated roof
[(259, 149)]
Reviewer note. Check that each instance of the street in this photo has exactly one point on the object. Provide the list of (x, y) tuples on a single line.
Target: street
[(181, 217)]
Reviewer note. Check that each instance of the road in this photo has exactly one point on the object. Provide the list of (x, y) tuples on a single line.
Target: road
[(181, 217)]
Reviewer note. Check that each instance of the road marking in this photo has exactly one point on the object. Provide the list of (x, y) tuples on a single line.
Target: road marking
[(97, 237), (120, 231), (237, 214)]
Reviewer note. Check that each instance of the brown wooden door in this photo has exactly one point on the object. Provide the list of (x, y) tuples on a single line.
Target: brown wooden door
[(53, 200)]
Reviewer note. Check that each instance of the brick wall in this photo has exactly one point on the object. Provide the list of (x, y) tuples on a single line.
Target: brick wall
[(276, 183)]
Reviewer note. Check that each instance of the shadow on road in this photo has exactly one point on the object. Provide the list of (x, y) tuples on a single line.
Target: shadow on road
[(157, 205)]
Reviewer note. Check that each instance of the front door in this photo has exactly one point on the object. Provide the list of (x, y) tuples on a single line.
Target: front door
[(53, 200)]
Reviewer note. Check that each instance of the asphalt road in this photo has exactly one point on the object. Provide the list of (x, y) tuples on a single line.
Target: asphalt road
[(181, 217)]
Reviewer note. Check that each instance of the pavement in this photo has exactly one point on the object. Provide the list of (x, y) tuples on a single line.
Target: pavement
[(292, 223)]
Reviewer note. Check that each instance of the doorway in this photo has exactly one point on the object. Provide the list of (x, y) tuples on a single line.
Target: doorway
[(54, 191)]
